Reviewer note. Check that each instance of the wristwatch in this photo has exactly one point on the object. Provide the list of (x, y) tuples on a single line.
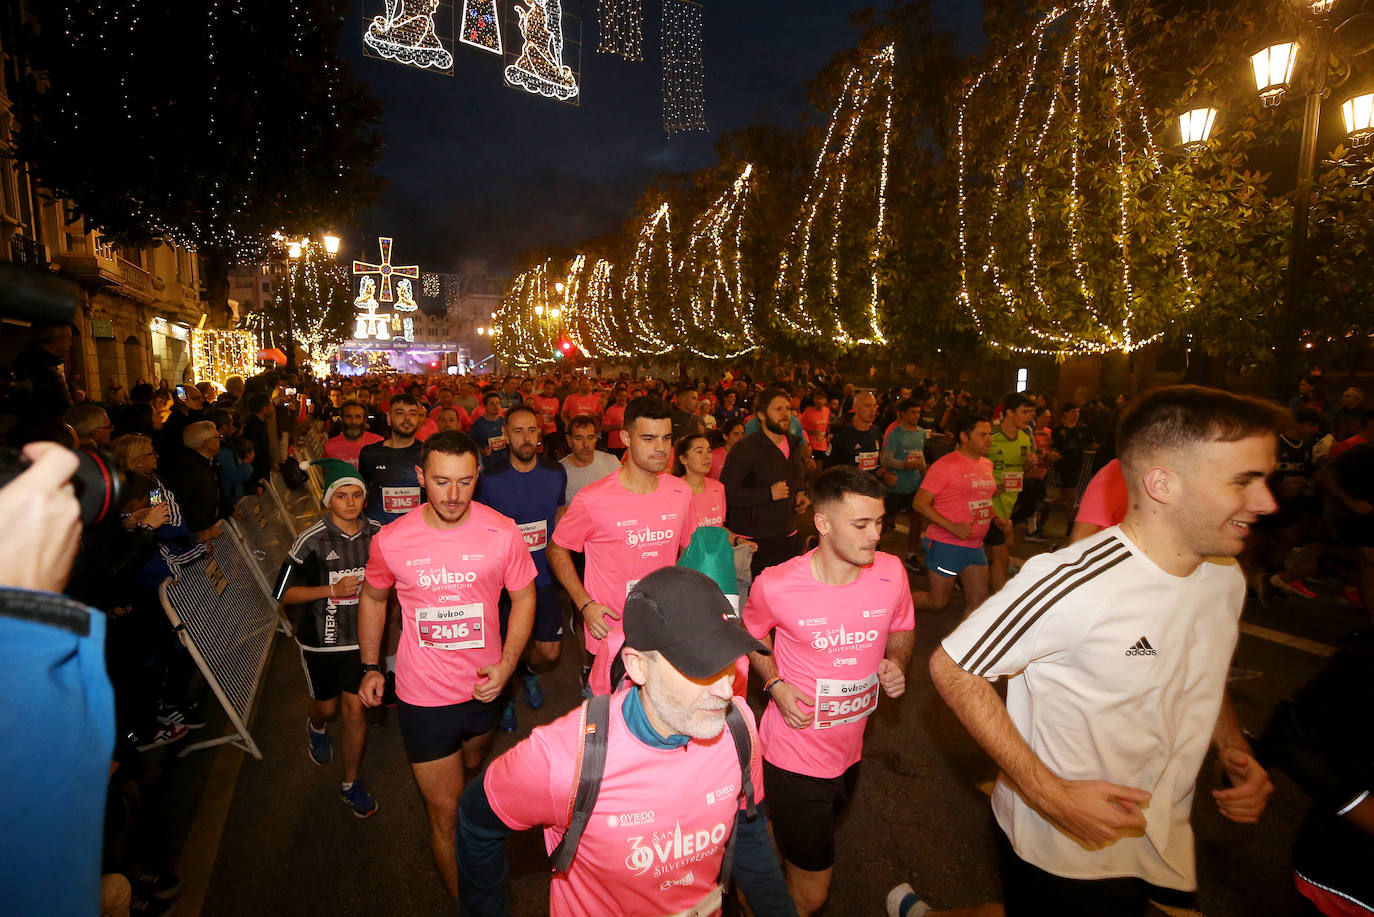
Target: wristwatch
[(370, 667)]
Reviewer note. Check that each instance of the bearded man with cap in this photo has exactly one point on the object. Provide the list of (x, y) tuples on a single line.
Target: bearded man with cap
[(667, 816), (324, 572)]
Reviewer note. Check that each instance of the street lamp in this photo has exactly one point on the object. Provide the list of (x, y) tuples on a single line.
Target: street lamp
[(555, 312), (1359, 118), (331, 243), (1196, 127), (293, 252), (538, 310), (1273, 68), (481, 331)]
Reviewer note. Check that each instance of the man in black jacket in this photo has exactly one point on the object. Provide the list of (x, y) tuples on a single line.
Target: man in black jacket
[(256, 428), (196, 481), (764, 477)]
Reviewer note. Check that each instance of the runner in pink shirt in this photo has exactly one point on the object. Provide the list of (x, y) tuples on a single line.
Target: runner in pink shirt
[(614, 419), (669, 803), (355, 435), (956, 497), (449, 559), (1104, 502), (815, 420), (628, 524), (841, 621), (583, 401), (708, 495)]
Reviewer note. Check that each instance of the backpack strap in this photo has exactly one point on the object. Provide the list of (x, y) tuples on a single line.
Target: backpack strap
[(591, 765), (744, 747)]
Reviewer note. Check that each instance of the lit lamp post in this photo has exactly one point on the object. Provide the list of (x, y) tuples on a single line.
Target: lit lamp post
[(1273, 68), (294, 250)]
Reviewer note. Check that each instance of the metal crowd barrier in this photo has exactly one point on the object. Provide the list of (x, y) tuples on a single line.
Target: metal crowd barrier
[(227, 623), (300, 507)]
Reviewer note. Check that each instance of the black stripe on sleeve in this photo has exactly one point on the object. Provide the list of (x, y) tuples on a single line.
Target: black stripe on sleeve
[(1027, 600)]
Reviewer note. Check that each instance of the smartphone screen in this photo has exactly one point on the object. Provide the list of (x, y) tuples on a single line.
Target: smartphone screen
[(155, 497), (290, 391), (181, 392)]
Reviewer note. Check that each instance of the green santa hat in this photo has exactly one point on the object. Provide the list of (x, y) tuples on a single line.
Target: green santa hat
[(337, 472)]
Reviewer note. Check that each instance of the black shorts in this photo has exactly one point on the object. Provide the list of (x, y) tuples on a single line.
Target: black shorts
[(431, 733), (1027, 888), (804, 811), (894, 503), (548, 615), (328, 673), (995, 537)]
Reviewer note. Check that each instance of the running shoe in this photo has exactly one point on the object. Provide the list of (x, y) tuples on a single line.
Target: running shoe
[(903, 901), (508, 721), (357, 796), (187, 715), (162, 735), (154, 885), (1293, 586), (1352, 595), (139, 906), (533, 695), (913, 564), (1038, 537), (321, 751)]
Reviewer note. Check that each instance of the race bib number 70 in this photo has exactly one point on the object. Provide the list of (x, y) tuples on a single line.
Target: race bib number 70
[(455, 627), (839, 701)]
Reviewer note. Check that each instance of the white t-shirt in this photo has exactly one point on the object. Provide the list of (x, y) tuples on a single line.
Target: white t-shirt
[(603, 463), (1118, 674)]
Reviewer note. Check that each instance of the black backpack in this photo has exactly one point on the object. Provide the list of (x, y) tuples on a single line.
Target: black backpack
[(591, 765)]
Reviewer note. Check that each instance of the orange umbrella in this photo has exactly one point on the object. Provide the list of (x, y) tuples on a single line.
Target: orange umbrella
[(274, 354)]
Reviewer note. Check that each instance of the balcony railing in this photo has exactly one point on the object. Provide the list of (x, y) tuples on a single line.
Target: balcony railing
[(30, 252)]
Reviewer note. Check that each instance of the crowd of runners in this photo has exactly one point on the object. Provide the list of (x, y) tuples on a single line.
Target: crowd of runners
[(700, 545)]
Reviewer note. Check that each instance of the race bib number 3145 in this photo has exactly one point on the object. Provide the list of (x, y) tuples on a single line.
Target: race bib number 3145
[(455, 627), (839, 701)]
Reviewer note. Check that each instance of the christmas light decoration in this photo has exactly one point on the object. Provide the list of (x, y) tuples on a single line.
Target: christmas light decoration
[(430, 284), (540, 69), (1015, 302), (684, 99), (386, 269), (216, 355), (622, 28), (648, 283), (481, 26), (405, 300), (370, 323), (406, 35), (820, 250), (710, 277)]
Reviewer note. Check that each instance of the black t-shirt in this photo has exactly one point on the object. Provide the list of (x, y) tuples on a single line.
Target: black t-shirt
[(322, 556), (393, 485), (860, 448), (1294, 460)]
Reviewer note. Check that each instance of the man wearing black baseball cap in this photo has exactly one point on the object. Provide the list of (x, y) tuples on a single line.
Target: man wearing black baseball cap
[(669, 797)]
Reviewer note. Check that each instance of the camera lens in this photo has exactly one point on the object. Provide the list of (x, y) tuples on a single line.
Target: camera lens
[(97, 483)]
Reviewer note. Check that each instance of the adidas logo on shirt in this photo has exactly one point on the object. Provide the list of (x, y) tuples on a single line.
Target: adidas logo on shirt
[(332, 555), (1142, 648)]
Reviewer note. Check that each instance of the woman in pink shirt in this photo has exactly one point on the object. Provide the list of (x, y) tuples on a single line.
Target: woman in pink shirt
[(708, 494), (815, 421), (731, 432)]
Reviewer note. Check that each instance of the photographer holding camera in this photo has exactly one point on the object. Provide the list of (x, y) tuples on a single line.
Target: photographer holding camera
[(58, 709)]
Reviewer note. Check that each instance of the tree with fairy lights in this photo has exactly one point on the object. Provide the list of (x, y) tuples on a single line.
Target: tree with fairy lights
[(210, 125), (321, 306)]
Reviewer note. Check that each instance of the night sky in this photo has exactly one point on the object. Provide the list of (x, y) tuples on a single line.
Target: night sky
[(477, 169)]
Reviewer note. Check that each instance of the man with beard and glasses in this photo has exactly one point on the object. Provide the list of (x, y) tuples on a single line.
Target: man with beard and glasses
[(354, 435), (763, 476), (1117, 649), (530, 492), (665, 829), (390, 466), (839, 619), (628, 524), (448, 560)]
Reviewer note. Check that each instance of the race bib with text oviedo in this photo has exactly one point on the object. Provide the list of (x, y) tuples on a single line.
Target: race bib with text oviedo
[(536, 534), (839, 701), (454, 627)]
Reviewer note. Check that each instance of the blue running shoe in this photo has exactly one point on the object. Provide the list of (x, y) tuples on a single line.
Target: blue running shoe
[(903, 901), (321, 751), (508, 721), (357, 796), (533, 696)]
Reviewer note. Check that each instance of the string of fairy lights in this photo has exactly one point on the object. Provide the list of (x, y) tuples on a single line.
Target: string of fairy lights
[(863, 108), (684, 94), (720, 304), (1016, 301), (622, 28)]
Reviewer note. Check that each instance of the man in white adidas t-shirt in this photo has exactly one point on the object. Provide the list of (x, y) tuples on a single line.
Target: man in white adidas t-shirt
[(1117, 649)]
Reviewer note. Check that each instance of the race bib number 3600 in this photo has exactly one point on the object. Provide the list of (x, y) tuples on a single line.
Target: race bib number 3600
[(839, 701), (455, 627)]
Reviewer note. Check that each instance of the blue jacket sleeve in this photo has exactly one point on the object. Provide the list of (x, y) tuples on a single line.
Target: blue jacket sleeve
[(482, 867)]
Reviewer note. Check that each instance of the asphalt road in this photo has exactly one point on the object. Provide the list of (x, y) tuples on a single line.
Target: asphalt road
[(273, 837)]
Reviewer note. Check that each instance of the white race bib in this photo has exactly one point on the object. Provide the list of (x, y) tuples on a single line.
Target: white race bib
[(1012, 482), (536, 534), (496, 443), (868, 461), (629, 587), (839, 701), (400, 499), (981, 511), (454, 627)]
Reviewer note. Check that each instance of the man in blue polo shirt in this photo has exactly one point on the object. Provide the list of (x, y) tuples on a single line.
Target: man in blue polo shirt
[(530, 492)]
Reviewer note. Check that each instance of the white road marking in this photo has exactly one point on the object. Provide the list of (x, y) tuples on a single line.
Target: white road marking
[(1278, 636)]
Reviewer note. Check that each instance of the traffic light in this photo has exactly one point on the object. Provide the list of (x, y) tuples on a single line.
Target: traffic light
[(433, 364)]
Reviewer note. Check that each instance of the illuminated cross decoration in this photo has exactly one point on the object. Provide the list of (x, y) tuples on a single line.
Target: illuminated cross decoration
[(385, 269)]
